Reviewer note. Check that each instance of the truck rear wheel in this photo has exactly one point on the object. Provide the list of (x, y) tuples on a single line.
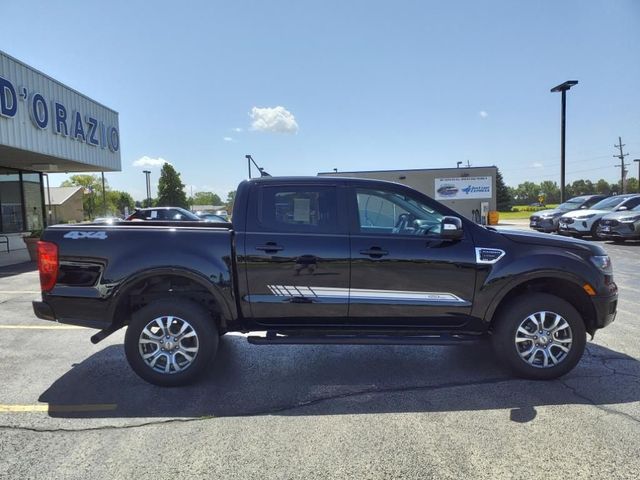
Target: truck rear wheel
[(539, 336), (170, 342)]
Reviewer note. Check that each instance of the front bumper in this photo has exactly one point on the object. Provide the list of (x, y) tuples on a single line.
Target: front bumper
[(621, 230), (578, 227), (546, 225), (605, 310)]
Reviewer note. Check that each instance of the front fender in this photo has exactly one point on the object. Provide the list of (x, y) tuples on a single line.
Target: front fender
[(496, 281)]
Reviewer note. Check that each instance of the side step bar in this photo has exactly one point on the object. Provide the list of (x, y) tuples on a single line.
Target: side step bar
[(272, 339)]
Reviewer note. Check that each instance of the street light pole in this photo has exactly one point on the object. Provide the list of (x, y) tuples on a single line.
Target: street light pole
[(638, 160), (147, 174), (563, 87)]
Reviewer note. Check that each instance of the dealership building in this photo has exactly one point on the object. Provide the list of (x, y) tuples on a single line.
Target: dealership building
[(46, 127), (470, 191)]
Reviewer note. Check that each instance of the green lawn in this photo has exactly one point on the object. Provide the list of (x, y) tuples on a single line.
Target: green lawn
[(518, 215), (514, 215)]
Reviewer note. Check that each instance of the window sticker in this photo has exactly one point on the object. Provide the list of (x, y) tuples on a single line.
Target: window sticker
[(302, 210)]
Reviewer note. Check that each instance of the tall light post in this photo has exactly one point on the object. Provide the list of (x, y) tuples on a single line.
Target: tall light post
[(147, 173), (563, 87), (638, 160)]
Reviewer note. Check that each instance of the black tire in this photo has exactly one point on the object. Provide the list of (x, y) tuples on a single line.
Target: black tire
[(594, 230), (182, 371), (515, 314)]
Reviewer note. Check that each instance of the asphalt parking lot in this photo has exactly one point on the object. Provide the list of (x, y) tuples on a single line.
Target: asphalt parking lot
[(70, 409)]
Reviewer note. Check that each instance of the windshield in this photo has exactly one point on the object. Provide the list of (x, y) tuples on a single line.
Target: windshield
[(609, 203), (572, 204), (188, 214)]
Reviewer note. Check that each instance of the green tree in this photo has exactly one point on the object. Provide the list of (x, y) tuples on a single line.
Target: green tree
[(527, 193), (632, 185), (117, 201), (92, 188), (551, 191), (582, 187), (205, 198), (231, 198), (602, 186), (504, 198), (171, 189)]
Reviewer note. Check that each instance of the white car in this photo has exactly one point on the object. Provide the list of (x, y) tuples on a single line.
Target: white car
[(580, 223)]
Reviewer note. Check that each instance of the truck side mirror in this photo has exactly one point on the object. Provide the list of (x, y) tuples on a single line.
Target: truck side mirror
[(451, 228)]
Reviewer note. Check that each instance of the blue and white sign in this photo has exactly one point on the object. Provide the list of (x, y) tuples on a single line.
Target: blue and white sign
[(41, 115), (70, 123), (462, 188)]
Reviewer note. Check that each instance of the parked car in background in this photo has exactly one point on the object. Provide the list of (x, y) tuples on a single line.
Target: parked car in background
[(107, 220), (581, 223), (163, 213), (547, 220), (210, 217), (621, 225)]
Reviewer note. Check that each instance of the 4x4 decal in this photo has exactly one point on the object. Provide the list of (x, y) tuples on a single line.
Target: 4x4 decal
[(78, 235)]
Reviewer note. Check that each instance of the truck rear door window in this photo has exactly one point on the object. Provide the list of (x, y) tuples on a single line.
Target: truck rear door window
[(299, 209)]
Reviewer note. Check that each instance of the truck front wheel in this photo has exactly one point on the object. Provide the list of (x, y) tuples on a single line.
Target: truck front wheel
[(539, 336), (170, 342)]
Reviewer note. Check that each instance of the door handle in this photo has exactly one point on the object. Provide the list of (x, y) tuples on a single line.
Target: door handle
[(270, 247), (374, 252)]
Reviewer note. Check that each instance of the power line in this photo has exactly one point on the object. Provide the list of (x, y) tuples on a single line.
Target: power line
[(623, 170)]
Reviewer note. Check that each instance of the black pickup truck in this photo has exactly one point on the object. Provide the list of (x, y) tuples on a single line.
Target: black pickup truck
[(326, 260)]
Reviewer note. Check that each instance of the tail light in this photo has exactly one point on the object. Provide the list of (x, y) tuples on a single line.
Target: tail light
[(47, 265)]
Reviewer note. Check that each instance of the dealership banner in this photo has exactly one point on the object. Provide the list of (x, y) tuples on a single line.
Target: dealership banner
[(460, 188)]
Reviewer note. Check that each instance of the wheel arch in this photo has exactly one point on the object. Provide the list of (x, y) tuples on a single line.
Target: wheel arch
[(154, 283), (561, 287)]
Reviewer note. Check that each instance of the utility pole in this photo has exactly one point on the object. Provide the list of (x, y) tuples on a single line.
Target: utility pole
[(104, 197), (563, 87), (147, 174), (623, 170)]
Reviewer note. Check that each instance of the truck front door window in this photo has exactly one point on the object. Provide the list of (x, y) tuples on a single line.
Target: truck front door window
[(393, 213)]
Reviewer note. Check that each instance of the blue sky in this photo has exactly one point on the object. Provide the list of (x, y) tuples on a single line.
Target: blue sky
[(362, 84)]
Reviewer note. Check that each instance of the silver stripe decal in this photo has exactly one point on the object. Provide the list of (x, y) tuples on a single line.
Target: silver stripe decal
[(361, 294)]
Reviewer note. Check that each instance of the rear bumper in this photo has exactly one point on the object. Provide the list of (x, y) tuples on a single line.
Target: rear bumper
[(44, 311)]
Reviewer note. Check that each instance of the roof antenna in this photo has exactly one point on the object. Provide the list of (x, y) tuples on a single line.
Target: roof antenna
[(250, 160)]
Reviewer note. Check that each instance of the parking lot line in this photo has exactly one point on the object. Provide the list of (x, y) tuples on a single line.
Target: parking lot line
[(46, 407), (9, 292), (40, 327)]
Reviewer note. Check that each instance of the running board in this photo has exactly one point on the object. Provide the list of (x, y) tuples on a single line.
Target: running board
[(272, 339)]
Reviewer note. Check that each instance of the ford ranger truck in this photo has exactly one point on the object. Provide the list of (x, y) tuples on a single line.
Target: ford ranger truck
[(326, 260)]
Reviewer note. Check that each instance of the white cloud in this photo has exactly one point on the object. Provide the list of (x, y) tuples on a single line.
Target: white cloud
[(537, 165), (150, 162), (483, 114), (228, 139), (273, 119), (237, 129)]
